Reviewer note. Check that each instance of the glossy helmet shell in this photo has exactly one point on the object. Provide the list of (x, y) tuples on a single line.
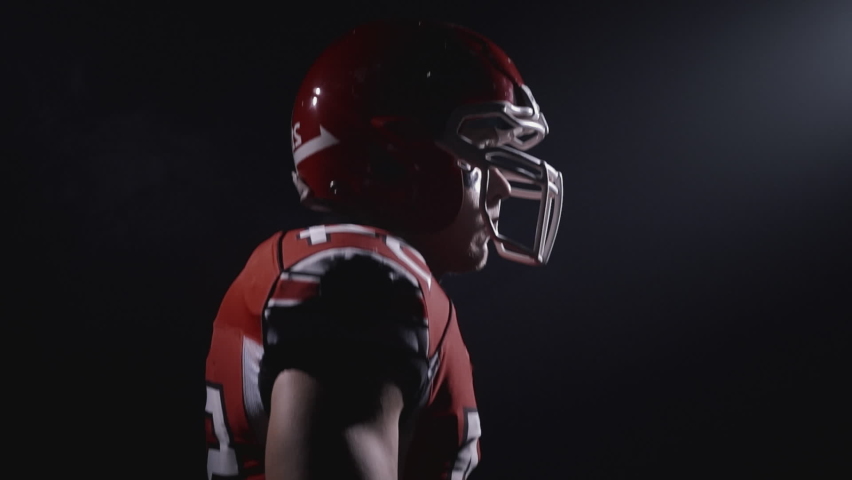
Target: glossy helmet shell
[(370, 109)]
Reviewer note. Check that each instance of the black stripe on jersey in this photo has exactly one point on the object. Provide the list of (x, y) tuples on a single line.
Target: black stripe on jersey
[(436, 358), (280, 255), (446, 327), (272, 288)]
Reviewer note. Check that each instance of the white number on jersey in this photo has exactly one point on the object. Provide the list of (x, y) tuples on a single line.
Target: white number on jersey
[(468, 456), (221, 461)]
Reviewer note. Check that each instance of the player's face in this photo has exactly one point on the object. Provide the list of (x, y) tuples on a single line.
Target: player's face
[(463, 245)]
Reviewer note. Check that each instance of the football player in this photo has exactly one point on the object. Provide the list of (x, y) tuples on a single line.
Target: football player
[(336, 353)]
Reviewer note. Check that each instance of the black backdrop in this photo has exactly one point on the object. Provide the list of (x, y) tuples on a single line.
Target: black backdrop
[(694, 321)]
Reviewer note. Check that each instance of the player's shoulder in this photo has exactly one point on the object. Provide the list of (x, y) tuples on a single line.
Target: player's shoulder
[(354, 253), (341, 283), (344, 294)]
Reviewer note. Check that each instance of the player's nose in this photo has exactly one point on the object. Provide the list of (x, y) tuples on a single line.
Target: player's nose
[(498, 188)]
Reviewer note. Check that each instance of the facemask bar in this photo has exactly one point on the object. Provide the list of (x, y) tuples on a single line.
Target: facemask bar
[(549, 214), (498, 134)]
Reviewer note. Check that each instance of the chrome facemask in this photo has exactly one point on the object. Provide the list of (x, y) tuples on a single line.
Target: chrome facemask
[(495, 135)]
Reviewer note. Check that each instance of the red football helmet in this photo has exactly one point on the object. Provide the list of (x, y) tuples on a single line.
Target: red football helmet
[(393, 115)]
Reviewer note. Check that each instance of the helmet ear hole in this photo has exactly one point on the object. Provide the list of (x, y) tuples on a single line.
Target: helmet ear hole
[(384, 168), (402, 130)]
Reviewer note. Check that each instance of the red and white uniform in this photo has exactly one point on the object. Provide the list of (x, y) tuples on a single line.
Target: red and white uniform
[(284, 271)]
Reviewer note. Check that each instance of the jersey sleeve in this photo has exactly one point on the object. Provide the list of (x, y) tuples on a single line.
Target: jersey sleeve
[(361, 322)]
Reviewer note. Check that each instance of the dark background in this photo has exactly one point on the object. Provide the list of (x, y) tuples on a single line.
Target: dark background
[(694, 320)]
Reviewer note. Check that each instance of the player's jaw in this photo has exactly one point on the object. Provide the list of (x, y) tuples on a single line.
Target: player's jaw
[(478, 246)]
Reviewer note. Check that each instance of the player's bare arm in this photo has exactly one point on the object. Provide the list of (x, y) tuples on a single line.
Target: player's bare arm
[(318, 431)]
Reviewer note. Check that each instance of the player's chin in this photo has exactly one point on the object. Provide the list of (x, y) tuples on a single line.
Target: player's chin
[(472, 259)]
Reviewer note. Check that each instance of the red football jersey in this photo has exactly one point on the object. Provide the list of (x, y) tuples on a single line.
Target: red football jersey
[(284, 270)]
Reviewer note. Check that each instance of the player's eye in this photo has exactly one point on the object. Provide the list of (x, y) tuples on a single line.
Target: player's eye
[(491, 131)]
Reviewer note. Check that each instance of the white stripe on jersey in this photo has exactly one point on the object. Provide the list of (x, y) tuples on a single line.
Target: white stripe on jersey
[(299, 277), (396, 247), (283, 302), (256, 415)]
